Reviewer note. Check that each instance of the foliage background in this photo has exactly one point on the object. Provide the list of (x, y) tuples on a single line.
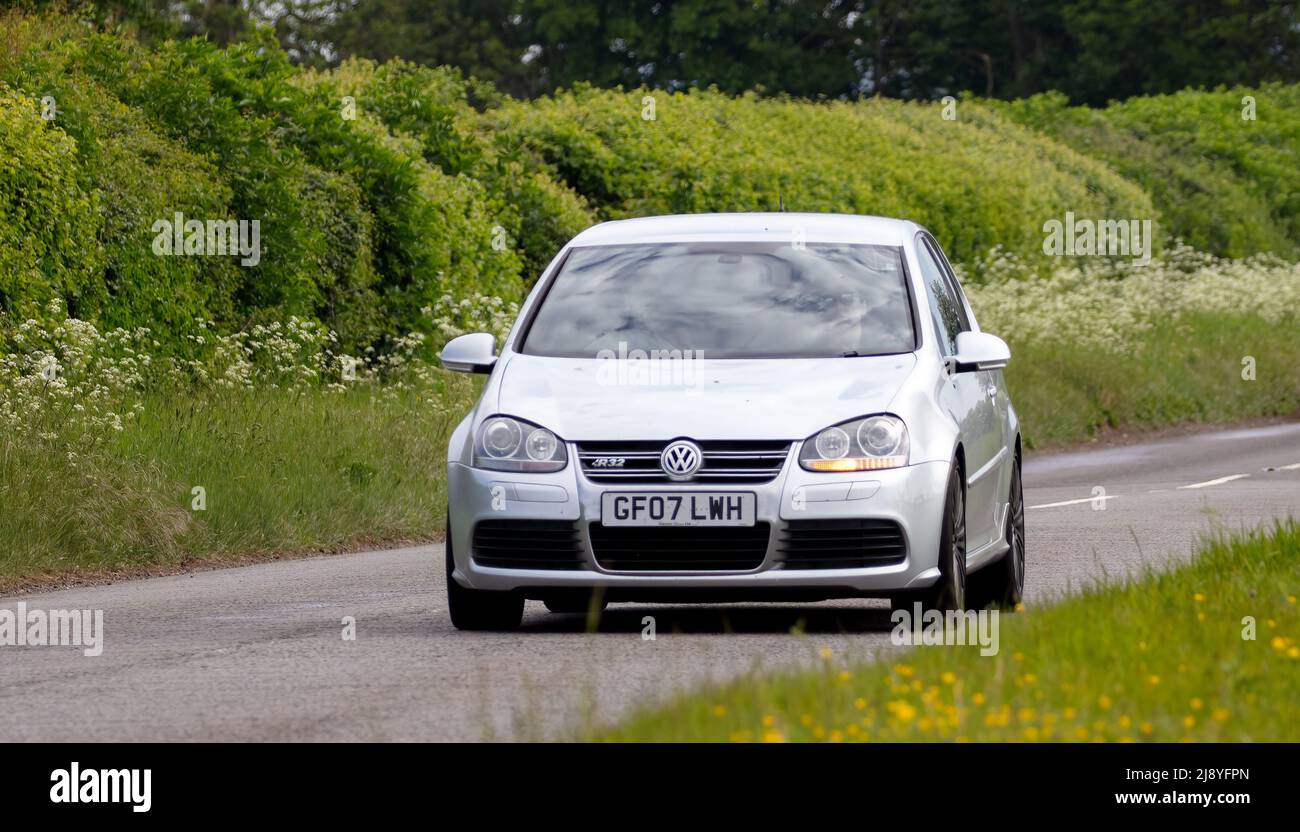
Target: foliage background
[(443, 187), (1093, 51)]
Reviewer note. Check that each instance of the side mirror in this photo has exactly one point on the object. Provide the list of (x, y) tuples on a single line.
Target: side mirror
[(980, 351), (472, 353)]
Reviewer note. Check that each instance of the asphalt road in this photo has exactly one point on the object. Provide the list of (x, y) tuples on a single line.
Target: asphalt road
[(257, 653)]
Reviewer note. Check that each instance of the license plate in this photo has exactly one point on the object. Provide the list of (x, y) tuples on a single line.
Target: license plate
[(695, 508)]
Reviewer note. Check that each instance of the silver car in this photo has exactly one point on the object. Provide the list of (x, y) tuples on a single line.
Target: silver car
[(734, 407)]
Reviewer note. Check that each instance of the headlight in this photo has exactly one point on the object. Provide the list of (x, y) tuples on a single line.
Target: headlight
[(507, 444), (868, 444)]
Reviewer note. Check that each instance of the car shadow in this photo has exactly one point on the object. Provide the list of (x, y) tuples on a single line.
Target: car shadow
[(720, 619)]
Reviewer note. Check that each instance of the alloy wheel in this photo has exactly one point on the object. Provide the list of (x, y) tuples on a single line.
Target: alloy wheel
[(1016, 533)]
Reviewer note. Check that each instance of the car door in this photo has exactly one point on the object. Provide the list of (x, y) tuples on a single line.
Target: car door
[(995, 389), (970, 399)]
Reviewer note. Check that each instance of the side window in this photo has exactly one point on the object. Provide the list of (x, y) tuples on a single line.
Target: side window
[(942, 260), (945, 307)]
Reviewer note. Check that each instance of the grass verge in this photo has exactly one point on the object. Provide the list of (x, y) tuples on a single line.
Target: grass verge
[(1186, 371), (281, 471), (1161, 657)]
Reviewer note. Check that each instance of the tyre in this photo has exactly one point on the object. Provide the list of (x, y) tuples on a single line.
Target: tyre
[(1002, 584), (949, 592), (477, 609)]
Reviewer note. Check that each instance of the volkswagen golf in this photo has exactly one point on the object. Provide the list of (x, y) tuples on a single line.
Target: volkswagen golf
[(736, 407)]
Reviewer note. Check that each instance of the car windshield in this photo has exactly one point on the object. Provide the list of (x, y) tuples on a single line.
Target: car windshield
[(726, 300)]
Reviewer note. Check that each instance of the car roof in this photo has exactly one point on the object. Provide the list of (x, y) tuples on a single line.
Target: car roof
[(812, 228)]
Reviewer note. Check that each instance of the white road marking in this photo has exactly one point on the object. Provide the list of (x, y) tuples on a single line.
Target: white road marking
[(1206, 484), (1295, 467), (1219, 481), (1076, 502)]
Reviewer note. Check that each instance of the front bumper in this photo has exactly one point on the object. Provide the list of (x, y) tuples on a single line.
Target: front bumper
[(912, 496)]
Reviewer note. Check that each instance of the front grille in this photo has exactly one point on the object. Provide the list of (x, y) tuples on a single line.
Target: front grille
[(679, 548), (725, 461), (840, 544), (527, 544)]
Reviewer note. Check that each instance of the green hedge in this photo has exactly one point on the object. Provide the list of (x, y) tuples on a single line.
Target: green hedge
[(976, 181), (1264, 152), (358, 229), (1222, 183), (436, 107), (441, 186), (48, 245)]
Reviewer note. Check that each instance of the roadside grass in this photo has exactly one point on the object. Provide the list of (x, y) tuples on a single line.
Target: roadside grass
[(1184, 371), (1159, 657), (282, 471)]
